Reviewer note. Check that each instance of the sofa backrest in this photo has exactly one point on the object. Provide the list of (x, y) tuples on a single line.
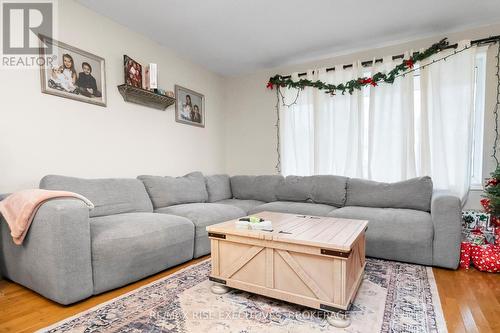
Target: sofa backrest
[(261, 188), (109, 196), (168, 191), (218, 187), (415, 193), (325, 189)]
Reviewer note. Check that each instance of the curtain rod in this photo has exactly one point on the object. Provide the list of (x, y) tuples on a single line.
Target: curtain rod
[(482, 41)]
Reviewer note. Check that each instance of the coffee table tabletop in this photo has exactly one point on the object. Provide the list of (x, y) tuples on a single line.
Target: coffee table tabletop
[(325, 232)]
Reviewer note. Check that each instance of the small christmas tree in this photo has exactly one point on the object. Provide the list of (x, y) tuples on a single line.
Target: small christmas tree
[(491, 201)]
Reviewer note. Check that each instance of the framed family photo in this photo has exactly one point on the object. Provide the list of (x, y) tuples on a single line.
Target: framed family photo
[(73, 73), (133, 72), (189, 107)]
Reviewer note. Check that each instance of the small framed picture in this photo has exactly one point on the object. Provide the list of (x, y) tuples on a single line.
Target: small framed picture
[(73, 73), (133, 72), (189, 107)]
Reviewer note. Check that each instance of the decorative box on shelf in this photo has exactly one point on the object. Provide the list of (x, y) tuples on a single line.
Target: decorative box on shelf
[(145, 97)]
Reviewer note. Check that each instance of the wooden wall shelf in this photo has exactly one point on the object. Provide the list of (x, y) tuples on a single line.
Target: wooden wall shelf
[(145, 97)]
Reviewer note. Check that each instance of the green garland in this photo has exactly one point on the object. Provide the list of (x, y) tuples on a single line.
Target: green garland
[(350, 86)]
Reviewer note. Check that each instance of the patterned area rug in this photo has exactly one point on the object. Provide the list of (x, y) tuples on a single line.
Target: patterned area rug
[(393, 297)]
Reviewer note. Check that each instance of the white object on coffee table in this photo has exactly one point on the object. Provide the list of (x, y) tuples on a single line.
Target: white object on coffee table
[(264, 225)]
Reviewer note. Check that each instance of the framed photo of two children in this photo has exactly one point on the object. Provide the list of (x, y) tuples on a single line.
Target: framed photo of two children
[(72, 73), (189, 107)]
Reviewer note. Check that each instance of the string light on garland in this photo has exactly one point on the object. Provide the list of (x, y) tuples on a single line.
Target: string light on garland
[(497, 105)]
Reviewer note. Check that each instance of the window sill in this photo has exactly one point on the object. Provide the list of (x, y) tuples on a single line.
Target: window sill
[(476, 187)]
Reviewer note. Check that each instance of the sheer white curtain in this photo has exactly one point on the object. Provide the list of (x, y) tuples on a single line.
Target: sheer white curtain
[(396, 136), (339, 124), (321, 134), (447, 90), (391, 144), (297, 130)]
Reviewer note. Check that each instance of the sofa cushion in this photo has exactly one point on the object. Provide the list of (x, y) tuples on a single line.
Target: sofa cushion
[(218, 187), (394, 234), (302, 208), (295, 188), (415, 193), (109, 196), (128, 247), (246, 205), (203, 215), (261, 188), (168, 191), (329, 189), (326, 189)]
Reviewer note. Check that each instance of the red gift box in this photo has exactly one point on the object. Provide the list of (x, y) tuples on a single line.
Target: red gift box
[(465, 253), (486, 258), (497, 236)]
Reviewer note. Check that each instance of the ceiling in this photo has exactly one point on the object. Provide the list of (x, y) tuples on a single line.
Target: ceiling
[(233, 37)]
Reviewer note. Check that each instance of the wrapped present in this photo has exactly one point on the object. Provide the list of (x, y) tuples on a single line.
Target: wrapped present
[(486, 258), (472, 219), (477, 227), (465, 254), (476, 237), (497, 236)]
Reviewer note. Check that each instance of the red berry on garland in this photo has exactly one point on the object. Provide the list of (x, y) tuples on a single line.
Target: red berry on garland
[(270, 85), (368, 80), (409, 63)]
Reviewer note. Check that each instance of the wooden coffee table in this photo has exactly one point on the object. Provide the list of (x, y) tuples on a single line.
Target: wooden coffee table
[(313, 261)]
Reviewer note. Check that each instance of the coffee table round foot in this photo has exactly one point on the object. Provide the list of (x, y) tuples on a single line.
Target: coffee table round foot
[(219, 289), (339, 320)]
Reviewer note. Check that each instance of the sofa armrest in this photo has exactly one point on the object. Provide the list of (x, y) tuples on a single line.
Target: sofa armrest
[(447, 220), (55, 258)]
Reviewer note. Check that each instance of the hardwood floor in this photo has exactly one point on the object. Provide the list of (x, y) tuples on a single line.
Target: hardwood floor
[(470, 301), (22, 310)]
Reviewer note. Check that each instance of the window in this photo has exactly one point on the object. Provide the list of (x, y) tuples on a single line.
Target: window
[(358, 136), (477, 118)]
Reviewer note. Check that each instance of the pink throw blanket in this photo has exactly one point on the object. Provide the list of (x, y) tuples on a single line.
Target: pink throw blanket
[(19, 209)]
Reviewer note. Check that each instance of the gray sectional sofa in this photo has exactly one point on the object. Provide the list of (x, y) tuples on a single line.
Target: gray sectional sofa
[(145, 225)]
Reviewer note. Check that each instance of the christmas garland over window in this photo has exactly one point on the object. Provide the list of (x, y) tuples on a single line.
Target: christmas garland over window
[(406, 67), (356, 84)]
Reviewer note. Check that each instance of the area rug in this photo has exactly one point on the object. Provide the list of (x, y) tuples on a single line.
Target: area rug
[(393, 297)]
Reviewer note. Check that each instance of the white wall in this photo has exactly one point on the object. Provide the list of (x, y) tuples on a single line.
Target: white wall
[(251, 115), (42, 134)]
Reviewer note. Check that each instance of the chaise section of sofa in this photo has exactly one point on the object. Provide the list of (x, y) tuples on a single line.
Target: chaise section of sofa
[(400, 225), (127, 240)]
